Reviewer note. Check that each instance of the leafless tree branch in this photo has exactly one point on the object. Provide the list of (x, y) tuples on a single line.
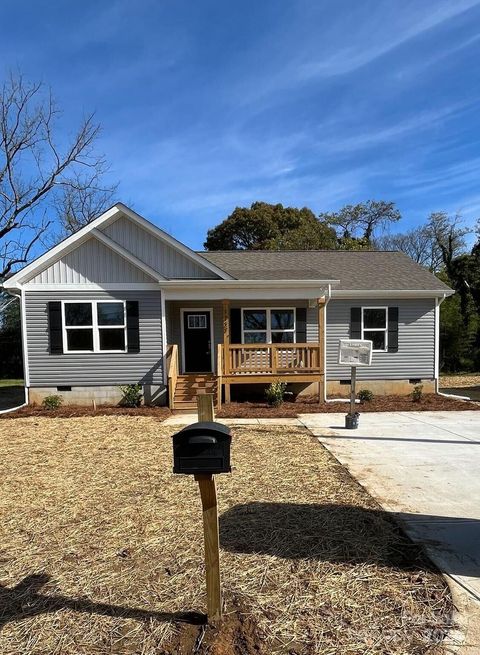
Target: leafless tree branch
[(37, 173)]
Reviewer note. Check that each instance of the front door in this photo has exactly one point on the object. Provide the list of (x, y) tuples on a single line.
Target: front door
[(197, 341)]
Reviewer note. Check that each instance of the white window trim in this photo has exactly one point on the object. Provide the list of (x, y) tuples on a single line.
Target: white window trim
[(268, 329), (95, 327), (365, 331)]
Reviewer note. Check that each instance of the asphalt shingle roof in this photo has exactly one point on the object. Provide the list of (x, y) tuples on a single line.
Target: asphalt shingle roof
[(370, 270)]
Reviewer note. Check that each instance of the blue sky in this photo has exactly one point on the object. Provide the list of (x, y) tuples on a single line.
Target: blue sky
[(206, 105)]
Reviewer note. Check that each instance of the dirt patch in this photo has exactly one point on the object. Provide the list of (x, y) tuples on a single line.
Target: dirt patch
[(236, 634), (309, 405), (101, 549), (76, 411)]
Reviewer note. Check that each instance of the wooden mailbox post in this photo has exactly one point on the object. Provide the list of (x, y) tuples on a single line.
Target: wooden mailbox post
[(208, 495), (203, 449)]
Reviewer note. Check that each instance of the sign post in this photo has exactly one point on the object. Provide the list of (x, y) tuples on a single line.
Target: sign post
[(353, 392), (353, 353)]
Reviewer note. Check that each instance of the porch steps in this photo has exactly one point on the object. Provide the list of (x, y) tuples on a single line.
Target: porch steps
[(189, 386)]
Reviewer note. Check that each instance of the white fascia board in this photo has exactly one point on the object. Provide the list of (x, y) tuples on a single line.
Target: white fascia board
[(249, 284), (171, 241), (107, 286), (68, 244), (61, 249), (394, 293), (253, 290), (125, 254)]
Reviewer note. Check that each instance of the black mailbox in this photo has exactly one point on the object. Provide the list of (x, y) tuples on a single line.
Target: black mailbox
[(202, 448)]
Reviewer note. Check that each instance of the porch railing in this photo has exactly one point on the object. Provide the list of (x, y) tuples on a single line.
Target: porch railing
[(172, 373), (272, 358)]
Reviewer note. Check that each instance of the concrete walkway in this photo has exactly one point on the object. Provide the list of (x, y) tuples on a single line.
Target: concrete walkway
[(425, 467)]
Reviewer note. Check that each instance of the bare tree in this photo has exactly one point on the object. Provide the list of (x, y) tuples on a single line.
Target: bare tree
[(37, 175), (419, 244), (433, 245), (449, 235)]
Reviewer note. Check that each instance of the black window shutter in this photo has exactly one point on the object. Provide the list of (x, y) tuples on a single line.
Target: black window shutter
[(301, 325), (355, 322), (133, 331), (55, 327), (235, 325), (393, 329)]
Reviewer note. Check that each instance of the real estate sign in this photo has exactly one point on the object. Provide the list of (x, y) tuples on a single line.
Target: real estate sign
[(355, 352)]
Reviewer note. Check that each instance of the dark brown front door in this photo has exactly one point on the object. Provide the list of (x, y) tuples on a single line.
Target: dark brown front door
[(197, 342)]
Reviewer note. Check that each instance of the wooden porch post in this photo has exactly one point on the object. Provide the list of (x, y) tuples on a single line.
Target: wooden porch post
[(226, 344), (321, 350)]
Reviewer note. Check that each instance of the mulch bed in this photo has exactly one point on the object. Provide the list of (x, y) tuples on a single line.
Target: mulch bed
[(73, 411), (309, 405), (102, 549)]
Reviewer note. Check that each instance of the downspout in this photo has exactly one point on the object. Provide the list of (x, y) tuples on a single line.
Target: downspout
[(438, 302), (328, 295)]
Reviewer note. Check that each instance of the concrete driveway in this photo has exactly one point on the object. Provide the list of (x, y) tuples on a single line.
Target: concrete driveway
[(424, 467)]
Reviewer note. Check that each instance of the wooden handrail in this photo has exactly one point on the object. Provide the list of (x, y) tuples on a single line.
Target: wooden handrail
[(172, 375), (219, 375), (272, 358)]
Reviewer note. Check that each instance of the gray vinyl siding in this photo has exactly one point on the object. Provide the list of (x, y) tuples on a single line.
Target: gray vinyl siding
[(91, 263), (160, 256), (416, 341), (93, 369)]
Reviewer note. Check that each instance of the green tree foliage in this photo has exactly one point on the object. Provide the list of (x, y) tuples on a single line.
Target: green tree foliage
[(271, 227), (459, 314)]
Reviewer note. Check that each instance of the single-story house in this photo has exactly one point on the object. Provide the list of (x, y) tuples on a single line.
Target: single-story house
[(122, 302)]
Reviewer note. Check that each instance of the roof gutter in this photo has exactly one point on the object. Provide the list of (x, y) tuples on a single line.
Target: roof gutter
[(392, 293), (246, 284)]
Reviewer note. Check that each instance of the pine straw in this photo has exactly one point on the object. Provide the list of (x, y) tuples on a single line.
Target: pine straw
[(111, 539)]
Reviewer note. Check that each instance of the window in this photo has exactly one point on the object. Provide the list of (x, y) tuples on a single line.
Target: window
[(268, 325), (197, 321), (94, 326), (375, 327)]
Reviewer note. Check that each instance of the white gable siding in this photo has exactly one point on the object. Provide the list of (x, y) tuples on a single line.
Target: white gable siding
[(154, 252), (91, 263)]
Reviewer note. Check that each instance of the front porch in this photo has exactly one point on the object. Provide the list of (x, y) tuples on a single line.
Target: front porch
[(243, 363)]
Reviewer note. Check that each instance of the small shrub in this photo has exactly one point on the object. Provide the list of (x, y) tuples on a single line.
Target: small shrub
[(365, 395), (52, 402), (275, 393), (417, 393), (132, 395)]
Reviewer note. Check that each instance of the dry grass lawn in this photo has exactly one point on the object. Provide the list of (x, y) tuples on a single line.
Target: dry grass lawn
[(100, 543)]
